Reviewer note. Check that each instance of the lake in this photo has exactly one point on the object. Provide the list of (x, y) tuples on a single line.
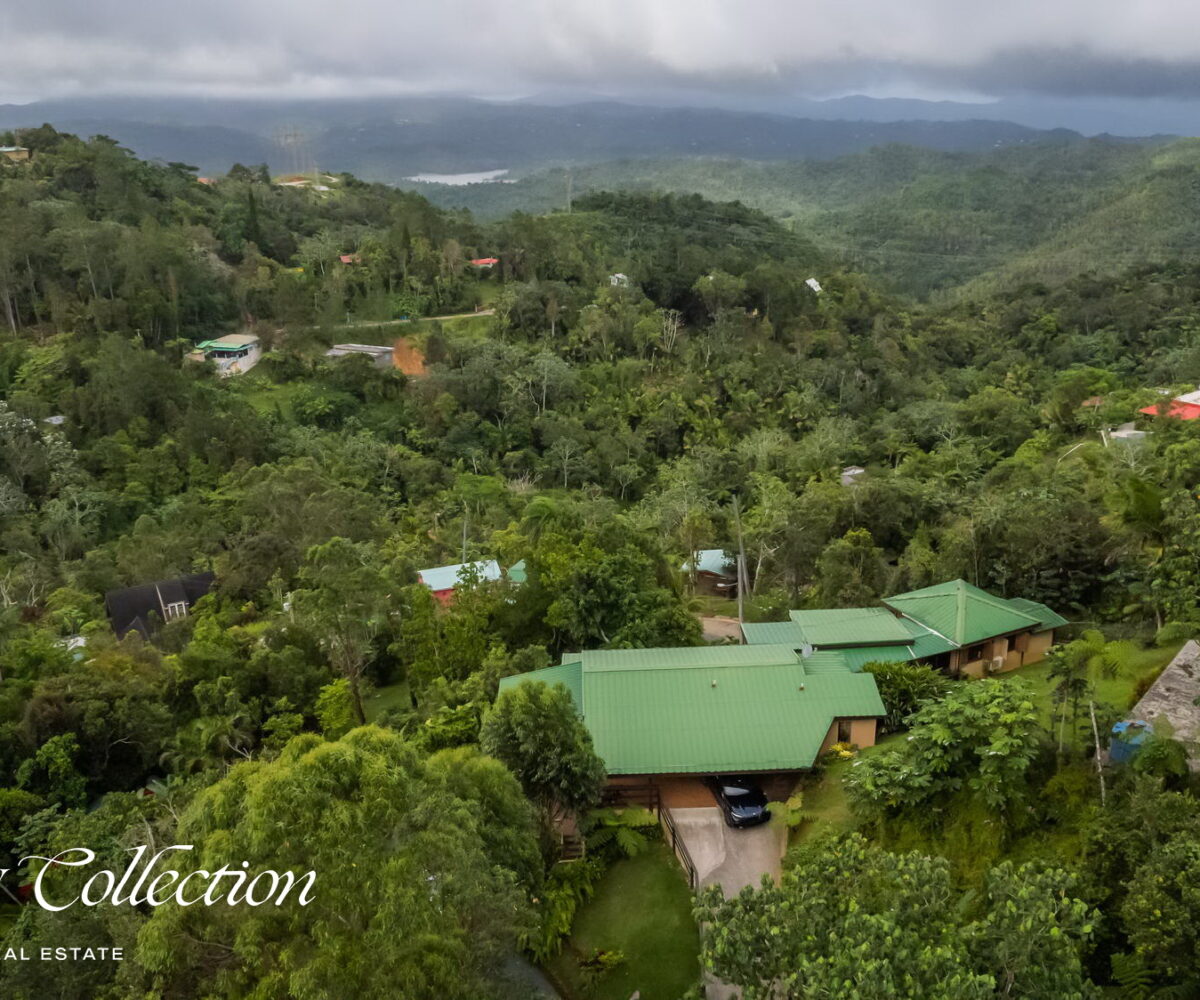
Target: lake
[(457, 180)]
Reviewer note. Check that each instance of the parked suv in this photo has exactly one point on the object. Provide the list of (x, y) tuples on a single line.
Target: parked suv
[(740, 799)]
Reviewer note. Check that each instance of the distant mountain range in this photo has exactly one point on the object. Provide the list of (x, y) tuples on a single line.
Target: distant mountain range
[(392, 139)]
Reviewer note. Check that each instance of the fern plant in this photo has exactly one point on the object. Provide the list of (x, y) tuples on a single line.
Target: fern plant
[(624, 832)]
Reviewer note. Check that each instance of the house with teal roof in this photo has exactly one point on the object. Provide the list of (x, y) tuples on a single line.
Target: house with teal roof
[(659, 714), (955, 626), (714, 572)]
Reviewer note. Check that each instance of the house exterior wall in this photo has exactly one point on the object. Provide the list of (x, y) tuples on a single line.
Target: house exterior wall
[(862, 733), (1015, 651), (237, 361), (1039, 643), (688, 791), (713, 585), (976, 660)]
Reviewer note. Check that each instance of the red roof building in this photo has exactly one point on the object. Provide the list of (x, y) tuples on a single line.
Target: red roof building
[(1185, 407), (485, 261)]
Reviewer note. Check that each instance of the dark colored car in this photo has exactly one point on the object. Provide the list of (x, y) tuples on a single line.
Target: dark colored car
[(741, 800)]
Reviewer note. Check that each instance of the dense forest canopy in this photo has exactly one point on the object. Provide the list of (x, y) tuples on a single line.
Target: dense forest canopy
[(924, 221), (594, 405)]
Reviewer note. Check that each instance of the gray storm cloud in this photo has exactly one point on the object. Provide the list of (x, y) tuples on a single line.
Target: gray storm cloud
[(308, 48)]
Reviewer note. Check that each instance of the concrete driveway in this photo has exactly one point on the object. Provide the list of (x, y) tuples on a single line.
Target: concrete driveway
[(732, 859)]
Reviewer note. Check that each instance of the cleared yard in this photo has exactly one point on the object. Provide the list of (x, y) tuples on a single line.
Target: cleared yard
[(389, 696), (1121, 692), (825, 796), (642, 908)]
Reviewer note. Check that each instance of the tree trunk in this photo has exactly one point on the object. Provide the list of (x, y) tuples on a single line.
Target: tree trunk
[(356, 698), (8, 311), (1096, 737)]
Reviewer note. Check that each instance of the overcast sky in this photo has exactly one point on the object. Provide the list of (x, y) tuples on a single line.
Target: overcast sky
[(959, 49)]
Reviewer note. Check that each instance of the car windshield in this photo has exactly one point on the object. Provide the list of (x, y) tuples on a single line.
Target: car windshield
[(733, 791)]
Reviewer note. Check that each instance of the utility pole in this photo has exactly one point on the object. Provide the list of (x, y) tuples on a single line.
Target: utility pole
[(741, 568)]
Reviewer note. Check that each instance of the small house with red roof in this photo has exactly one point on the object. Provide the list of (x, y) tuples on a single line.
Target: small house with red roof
[(485, 261), (1185, 407)]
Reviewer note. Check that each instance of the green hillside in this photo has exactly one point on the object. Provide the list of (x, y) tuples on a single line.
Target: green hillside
[(927, 221)]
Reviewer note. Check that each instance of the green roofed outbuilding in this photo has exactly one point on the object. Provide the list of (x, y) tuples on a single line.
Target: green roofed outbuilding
[(715, 709)]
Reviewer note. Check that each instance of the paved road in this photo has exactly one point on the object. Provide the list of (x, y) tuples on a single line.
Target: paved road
[(732, 859), (412, 319)]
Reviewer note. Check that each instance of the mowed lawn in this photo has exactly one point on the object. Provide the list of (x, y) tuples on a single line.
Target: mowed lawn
[(642, 908), (1120, 691), (387, 697), (825, 795)]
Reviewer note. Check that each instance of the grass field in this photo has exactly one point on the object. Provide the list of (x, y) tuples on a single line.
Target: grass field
[(825, 796), (269, 397), (642, 908), (1118, 691), (390, 696)]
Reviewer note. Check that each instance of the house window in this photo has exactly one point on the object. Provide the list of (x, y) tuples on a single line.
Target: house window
[(843, 730), (178, 609), (976, 652)]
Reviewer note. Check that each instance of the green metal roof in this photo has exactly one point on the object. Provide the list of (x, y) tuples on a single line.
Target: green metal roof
[(919, 642), (517, 572), (682, 657), (773, 633), (715, 709), (1046, 617), (713, 561), (963, 613), (850, 627), (570, 675)]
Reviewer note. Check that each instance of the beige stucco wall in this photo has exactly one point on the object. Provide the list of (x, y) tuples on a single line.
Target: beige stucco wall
[(1017, 651), (862, 733), (1005, 648), (1039, 642), (972, 669)]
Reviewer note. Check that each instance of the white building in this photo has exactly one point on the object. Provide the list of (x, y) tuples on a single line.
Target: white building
[(233, 354), (382, 356)]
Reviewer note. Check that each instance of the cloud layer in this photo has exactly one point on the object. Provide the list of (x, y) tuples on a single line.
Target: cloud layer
[(1064, 48)]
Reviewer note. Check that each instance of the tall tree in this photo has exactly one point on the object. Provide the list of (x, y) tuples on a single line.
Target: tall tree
[(346, 603), (536, 730)]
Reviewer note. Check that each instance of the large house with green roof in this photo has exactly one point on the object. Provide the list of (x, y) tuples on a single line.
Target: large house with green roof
[(955, 626), (660, 714)]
